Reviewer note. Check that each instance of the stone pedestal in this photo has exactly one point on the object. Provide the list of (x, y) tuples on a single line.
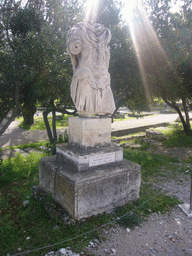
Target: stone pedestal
[(88, 193), (86, 159), (89, 176), (89, 132)]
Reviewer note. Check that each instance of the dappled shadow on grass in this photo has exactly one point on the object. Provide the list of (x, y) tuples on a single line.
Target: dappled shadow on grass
[(178, 140), (175, 136)]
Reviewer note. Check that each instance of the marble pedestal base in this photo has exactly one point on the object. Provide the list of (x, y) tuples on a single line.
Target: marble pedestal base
[(85, 159), (89, 132), (89, 176), (90, 192)]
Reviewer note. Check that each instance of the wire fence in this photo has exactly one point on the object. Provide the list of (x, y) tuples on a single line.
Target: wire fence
[(98, 228)]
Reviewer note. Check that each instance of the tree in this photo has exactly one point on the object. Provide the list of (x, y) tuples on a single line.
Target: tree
[(9, 87), (165, 53), (55, 79), (126, 81), (35, 41), (26, 25)]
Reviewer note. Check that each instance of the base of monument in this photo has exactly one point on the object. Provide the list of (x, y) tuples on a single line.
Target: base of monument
[(88, 193), (85, 159)]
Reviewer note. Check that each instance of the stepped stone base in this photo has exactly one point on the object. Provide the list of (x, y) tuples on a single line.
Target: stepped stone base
[(90, 192), (89, 176), (85, 159)]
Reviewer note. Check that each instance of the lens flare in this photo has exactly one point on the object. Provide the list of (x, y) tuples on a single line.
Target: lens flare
[(149, 51), (91, 10), (128, 9)]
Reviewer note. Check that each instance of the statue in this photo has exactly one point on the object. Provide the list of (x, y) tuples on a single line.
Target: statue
[(87, 46)]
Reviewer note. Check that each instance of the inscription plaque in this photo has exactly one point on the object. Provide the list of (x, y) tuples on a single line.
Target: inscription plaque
[(102, 159)]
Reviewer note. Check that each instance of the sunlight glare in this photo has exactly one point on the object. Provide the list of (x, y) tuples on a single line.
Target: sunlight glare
[(128, 8), (143, 34), (91, 10)]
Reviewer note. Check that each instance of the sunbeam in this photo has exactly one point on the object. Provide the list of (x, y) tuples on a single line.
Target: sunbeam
[(128, 9), (149, 51), (91, 10)]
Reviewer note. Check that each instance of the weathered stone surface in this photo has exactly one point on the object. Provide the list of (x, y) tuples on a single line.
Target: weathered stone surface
[(89, 132), (53, 209), (63, 252), (91, 192), (88, 48), (7, 153), (155, 135), (26, 203), (85, 159)]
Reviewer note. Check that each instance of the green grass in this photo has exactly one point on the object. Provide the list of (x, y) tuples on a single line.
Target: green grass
[(17, 223), (178, 138), (19, 167), (175, 136), (28, 145), (40, 125)]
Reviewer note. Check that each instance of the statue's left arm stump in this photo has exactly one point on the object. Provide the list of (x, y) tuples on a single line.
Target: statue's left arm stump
[(91, 192)]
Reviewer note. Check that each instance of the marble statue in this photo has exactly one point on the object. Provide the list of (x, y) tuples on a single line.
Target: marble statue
[(91, 92)]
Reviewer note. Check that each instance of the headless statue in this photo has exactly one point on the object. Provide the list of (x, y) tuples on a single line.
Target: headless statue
[(91, 92)]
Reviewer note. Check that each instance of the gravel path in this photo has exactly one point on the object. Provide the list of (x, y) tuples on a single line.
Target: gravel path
[(17, 136), (162, 234), (169, 234)]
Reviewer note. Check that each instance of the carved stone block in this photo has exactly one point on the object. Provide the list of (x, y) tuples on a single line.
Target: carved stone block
[(85, 159), (91, 192), (89, 132)]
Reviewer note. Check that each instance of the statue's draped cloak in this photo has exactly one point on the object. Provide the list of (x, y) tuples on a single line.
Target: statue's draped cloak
[(87, 46)]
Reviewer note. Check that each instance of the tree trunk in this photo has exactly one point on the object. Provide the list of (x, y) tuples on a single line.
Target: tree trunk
[(112, 116), (54, 123), (174, 106), (9, 121), (28, 113), (185, 108), (15, 111), (49, 133)]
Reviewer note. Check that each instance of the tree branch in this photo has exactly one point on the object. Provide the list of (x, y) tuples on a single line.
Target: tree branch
[(9, 121), (185, 108), (49, 133), (174, 106)]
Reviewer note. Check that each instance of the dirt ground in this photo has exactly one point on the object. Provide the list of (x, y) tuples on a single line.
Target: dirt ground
[(180, 153), (167, 234)]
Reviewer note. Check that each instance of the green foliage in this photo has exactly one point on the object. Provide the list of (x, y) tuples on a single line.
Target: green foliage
[(130, 220), (146, 159), (175, 136), (19, 167), (8, 235), (24, 21), (35, 66), (178, 139), (61, 139), (28, 145)]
